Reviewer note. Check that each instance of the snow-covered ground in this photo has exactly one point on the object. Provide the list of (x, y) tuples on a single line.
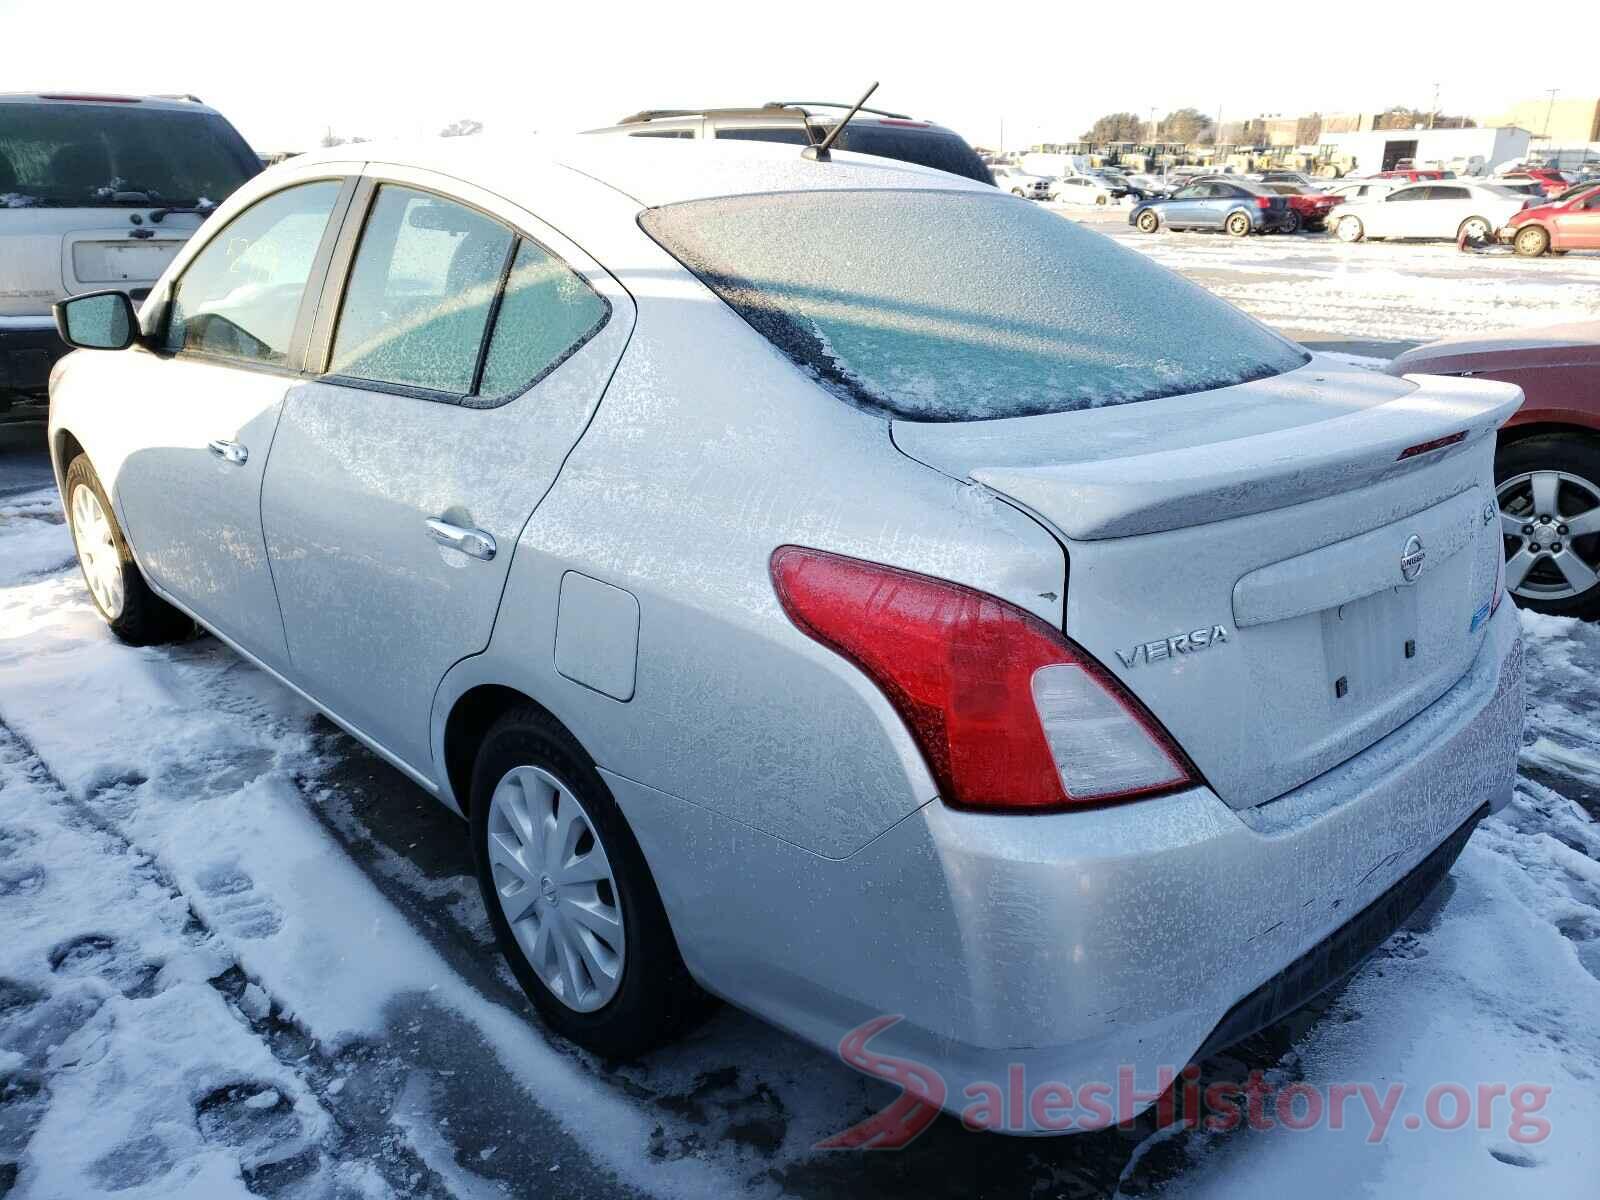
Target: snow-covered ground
[(240, 956)]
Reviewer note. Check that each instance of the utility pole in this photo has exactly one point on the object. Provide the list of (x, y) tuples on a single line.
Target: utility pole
[(1433, 112), (1550, 112)]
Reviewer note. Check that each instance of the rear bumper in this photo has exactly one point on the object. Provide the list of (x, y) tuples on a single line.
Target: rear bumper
[(29, 347), (1091, 948)]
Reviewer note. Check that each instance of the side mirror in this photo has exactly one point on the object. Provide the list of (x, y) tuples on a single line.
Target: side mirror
[(97, 321)]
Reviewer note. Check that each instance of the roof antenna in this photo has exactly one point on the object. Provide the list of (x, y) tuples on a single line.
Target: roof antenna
[(820, 153)]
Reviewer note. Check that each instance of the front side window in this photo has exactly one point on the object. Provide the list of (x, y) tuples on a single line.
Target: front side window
[(935, 305), (417, 305), (1414, 193), (240, 295)]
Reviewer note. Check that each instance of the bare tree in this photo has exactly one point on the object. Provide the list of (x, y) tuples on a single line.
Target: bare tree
[(1185, 125), (1116, 127)]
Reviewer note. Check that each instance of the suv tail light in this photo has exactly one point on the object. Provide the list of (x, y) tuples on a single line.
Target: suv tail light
[(1009, 713)]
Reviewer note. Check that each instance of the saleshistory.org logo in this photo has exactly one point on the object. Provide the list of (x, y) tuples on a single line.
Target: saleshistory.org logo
[(1017, 1104)]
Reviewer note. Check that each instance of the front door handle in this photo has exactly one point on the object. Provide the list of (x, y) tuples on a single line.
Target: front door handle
[(477, 543), (227, 451)]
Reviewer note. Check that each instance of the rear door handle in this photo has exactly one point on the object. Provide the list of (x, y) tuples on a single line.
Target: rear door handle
[(233, 452), (477, 543)]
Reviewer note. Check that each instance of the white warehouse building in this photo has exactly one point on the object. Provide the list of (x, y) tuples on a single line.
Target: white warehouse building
[(1467, 151)]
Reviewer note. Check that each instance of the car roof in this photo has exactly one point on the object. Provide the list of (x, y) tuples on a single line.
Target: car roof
[(183, 103), (649, 171)]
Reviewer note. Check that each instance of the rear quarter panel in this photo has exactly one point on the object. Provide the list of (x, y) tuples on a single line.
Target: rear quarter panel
[(710, 450)]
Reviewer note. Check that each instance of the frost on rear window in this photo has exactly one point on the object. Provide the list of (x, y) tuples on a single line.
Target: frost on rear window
[(962, 306)]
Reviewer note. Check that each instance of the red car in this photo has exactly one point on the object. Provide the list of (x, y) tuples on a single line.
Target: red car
[(1547, 468), (1569, 222), (1308, 208)]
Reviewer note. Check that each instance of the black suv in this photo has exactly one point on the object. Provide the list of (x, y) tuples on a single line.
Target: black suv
[(800, 123)]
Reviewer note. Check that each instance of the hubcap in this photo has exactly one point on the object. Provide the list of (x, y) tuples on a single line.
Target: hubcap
[(556, 888), (1550, 522), (97, 550)]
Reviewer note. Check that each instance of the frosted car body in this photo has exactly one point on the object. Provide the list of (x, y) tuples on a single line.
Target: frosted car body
[(733, 432)]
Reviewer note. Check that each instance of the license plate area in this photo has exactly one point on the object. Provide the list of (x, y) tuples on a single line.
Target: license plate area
[(1371, 644), (121, 262)]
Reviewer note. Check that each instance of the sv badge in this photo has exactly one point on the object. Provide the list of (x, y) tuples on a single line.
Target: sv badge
[(1171, 647)]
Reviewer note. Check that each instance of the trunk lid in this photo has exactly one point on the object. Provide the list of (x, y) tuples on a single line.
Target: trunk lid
[(48, 253), (1246, 560)]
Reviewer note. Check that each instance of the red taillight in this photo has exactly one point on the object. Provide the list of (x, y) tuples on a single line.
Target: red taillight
[(1263, 202), (1008, 713)]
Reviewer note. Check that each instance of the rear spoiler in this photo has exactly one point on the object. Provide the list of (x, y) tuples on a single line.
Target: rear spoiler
[(1219, 481)]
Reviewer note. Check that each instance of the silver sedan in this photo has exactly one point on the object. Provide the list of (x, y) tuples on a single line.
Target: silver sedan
[(833, 586)]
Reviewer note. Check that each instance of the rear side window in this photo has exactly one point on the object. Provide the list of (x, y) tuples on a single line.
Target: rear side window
[(927, 147), (794, 135), (1449, 193), (960, 306), (240, 295), (104, 155), (664, 133), (417, 305), (447, 301), (546, 314)]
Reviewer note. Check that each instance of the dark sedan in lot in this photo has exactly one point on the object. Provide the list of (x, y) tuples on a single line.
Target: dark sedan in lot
[(1237, 206), (1547, 467)]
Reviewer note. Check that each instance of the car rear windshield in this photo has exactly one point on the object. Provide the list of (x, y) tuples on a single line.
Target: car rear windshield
[(962, 306), (104, 155), (920, 144)]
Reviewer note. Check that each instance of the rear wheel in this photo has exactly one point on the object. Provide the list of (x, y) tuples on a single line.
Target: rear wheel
[(1548, 491), (1474, 229), (572, 903), (1532, 241), (1148, 221), (1291, 223), (1350, 229), (1237, 225), (120, 594), (1017, 192)]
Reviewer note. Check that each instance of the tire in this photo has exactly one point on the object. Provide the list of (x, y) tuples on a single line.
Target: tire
[(1474, 229), (1149, 221), (652, 999), (116, 586), (1531, 241), (1350, 229), (1291, 223), (1017, 192), (1100, 200), (1546, 585), (1237, 225)]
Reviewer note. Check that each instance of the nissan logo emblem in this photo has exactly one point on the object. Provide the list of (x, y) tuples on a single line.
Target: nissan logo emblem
[(1411, 559)]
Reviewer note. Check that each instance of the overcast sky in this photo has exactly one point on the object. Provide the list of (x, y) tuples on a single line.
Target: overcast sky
[(285, 70)]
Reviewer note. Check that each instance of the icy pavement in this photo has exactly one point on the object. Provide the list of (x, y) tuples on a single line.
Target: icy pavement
[(1391, 294), (239, 956)]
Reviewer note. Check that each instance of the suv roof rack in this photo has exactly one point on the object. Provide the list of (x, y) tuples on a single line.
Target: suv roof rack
[(805, 104), (799, 107)]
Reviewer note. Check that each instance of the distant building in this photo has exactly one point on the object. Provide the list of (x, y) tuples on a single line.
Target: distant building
[(1574, 121), (1461, 149)]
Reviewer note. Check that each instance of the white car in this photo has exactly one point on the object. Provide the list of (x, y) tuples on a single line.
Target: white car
[(1082, 189), (1350, 191), (1019, 183), (1440, 209)]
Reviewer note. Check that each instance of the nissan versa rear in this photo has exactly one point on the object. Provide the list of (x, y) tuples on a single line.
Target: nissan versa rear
[(837, 587)]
